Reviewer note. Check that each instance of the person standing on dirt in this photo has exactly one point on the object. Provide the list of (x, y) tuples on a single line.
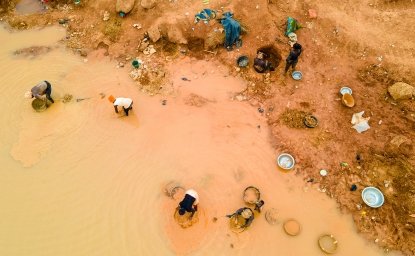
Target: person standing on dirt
[(292, 58), (125, 103), (42, 88), (261, 65), (189, 203), (246, 213)]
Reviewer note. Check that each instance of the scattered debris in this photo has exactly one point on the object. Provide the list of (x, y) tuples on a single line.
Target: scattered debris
[(240, 97), (149, 50), (106, 16), (137, 25), (293, 118), (360, 123), (401, 91), (67, 98)]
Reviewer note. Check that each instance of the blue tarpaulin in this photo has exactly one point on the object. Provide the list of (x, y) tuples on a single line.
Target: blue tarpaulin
[(205, 15), (232, 29)]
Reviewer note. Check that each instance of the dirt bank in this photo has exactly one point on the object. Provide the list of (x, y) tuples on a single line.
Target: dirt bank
[(366, 45)]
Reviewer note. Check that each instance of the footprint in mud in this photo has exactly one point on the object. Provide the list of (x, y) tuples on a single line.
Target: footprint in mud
[(239, 174)]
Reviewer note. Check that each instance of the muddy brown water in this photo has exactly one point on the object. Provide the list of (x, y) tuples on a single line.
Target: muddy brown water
[(77, 179)]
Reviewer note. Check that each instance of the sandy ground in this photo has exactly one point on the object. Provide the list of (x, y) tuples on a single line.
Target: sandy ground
[(365, 45)]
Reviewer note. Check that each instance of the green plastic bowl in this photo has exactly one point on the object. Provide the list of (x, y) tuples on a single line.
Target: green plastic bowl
[(135, 63)]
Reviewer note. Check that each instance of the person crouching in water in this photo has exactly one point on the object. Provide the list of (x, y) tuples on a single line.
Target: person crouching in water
[(125, 103), (261, 65), (246, 213), (292, 58), (41, 89), (189, 203)]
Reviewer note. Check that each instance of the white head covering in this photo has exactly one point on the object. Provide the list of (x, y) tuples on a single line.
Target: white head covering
[(28, 95), (246, 214)]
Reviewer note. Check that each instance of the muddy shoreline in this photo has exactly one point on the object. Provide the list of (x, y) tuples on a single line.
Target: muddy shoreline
[(333, 57)]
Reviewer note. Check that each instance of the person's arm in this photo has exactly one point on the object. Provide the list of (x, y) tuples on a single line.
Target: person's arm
[(231, 215), (38, 96), (116, 109), (193, 212), (248, 222)]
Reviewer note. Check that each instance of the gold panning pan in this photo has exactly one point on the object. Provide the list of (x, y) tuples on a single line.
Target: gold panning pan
[(292, 227), (327, 243), (39, 105), (251, 195)]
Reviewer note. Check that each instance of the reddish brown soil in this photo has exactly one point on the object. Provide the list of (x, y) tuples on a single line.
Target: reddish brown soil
[(364, 44)]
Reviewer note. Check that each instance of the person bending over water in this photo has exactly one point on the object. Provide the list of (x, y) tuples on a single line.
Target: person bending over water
[(125, 103), (189, 203), (246, 214), (41, 89)]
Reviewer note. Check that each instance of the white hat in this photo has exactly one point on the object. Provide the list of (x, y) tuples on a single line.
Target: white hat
[(246, 214), (28, 95)]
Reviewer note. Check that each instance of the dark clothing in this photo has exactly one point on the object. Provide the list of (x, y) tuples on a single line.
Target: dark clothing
[(292, 59), (261, 65), (187, 203), (294, 54), (48, 91)]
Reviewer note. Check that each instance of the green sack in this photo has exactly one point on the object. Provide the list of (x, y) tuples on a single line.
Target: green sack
[(292, 25)]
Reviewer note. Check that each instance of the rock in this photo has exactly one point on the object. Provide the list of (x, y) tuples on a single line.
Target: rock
[(312, 14), (149, 50), (401, 91), (154, 33), (124, 6), (240, 97), (148, 4), (137, 25), (175, 35), (143, 45), (83, 53), (399, 144), (63, 21), (106, 16)]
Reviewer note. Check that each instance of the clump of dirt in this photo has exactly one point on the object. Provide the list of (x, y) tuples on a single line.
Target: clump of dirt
[(32, 51), (144, 79), (196, 47), (67, 98), (113, 29), (214, 39), (151, 81), (293, 118), (7, 5), (169, 48), (195, 100)]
